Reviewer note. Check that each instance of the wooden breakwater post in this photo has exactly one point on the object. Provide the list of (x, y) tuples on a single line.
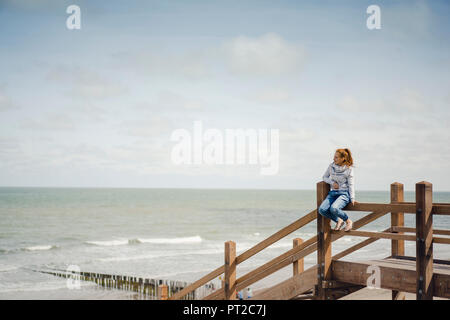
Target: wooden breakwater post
[(145, 288), (163, 292)]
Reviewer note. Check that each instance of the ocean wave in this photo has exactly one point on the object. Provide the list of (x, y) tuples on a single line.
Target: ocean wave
[(195, 239), (6, 268), (30, 248), (40, 248), (121, 242), (108, 243)]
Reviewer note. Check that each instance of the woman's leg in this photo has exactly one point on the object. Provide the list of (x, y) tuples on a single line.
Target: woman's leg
[(337, 206), (324, 208)]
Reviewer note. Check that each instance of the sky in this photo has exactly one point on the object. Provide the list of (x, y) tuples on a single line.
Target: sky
[(96, 107)]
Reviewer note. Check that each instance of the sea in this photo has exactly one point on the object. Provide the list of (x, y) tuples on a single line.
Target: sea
[(168, 234)]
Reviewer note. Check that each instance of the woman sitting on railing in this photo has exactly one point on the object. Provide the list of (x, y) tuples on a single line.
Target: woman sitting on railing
[(339, 175)]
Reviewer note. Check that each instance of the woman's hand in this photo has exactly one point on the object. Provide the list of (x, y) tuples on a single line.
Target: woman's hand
[(354, 202), (335, 185)]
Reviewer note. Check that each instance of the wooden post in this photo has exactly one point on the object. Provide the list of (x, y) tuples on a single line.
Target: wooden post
[(397, 220), (424, 240), (323, 243), (230, 270), (299, 264), (163, 292)]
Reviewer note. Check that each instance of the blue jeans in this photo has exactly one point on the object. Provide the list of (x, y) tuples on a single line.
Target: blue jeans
[(333, 204)]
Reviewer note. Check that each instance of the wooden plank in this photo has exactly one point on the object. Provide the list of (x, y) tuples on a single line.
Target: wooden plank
[(230, 270), (380, 235), (390, 207), (397, 218), (441, 240), (424, 243), (399, 277), (438, 208), (298, 265), (413, 230), (291, 287), (438, 264), (390, 278), (441, 209), (323, 242)]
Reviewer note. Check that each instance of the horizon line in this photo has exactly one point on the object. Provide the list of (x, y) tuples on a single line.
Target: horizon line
[(194, 188)]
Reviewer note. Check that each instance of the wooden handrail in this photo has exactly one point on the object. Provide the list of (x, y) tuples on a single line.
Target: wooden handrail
[(413, 230), (405, 207), (390, 207), (311, 216), (441, 240), (441, 209), (379, 235)]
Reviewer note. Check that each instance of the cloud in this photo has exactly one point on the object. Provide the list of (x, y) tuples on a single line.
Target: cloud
[(173, 100), (50, 122), (86, 84), (5, 101), (405, 100), (412, 19), (267, 55), (190, 65), (149, 128), (270, 96)]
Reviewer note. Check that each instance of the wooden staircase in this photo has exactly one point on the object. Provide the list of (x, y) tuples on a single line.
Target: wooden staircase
[(332, 278)]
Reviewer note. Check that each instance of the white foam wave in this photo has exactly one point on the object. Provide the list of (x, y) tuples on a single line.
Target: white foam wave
[(108, 243), (195, 239), (40, 248), (121, 242)]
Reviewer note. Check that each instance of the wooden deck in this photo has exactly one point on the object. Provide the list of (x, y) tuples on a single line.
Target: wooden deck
[(395, 274)]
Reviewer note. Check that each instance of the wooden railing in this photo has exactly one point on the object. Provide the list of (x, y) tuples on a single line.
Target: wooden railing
[(423, 208)]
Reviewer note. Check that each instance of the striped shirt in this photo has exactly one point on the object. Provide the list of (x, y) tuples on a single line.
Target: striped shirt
[(343, 176)]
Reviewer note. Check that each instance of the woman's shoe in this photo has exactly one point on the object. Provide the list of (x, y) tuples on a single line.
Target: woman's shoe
[(338, 225), (348, 225)]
